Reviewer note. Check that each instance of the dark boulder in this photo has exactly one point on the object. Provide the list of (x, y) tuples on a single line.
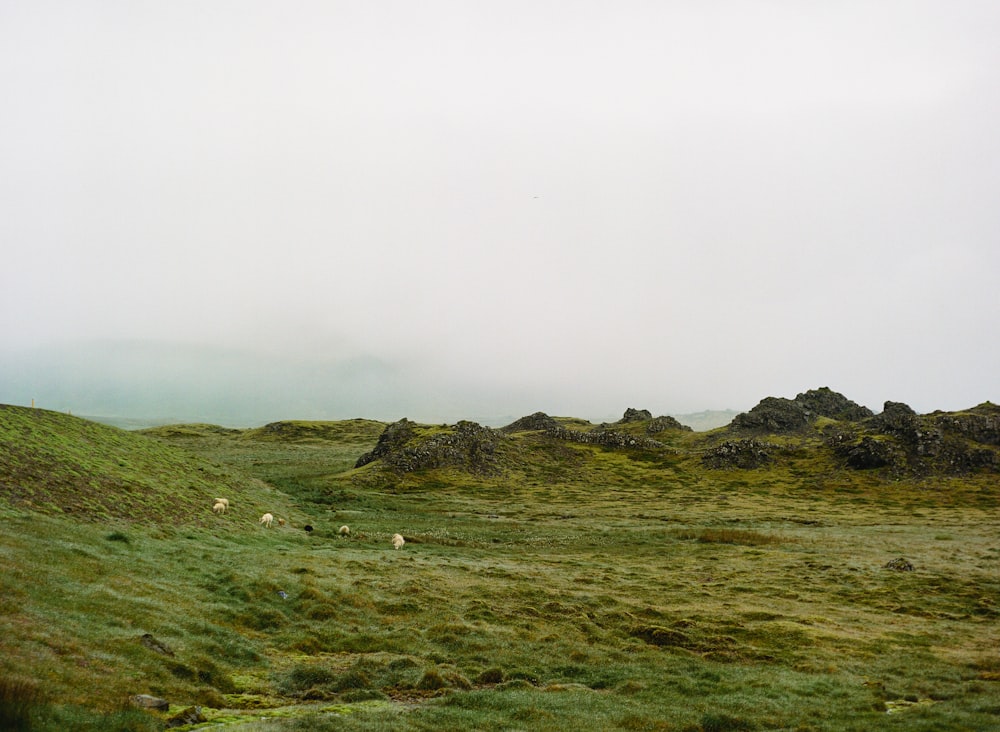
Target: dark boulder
[(393, 437), (635, 415), (146, 701), (773, 415), (782, 416), (897, 419), (824, 402), (868, 454)]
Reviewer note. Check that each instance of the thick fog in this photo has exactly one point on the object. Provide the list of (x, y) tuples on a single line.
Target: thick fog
[(467, 209)]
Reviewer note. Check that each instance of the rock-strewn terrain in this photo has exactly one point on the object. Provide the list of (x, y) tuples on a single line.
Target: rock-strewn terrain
[(819, 421)]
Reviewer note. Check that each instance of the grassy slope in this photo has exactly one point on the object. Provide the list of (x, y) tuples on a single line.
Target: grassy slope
[(585, 587), (58, 464)]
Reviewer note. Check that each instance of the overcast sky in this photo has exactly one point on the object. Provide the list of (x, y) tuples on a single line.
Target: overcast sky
[(573, 207)]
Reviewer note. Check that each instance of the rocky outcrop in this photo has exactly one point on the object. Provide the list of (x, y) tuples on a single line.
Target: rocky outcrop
[(869, 453), (774, 415), (635, 415), (896, 419), (777, 415), (533, 422), (824, 402), (906, 443), (468, 446), (664, 424), (394, 437), (654, 426), (980, 424), (745, 454)]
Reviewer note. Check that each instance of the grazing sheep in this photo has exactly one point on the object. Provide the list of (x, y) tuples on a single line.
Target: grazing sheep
[(345, 530), (219, 507), (281, 522), (266, 520), (223, 501), (398, 541)]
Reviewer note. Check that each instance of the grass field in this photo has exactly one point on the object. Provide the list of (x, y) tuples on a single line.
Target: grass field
[(576, 587)]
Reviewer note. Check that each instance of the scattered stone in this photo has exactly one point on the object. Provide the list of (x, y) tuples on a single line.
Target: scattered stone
[(899, 565), (744, 454), (604, 437), (155, 645), (146, 701), (191, 715)]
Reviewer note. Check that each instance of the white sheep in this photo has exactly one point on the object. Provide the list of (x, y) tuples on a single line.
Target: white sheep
[(224, 502), (219, 507), (266, 520), (398, 541), (345, 530)]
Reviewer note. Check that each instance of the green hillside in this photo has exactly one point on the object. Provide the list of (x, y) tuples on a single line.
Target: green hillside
[(811, 566), (59, 464)]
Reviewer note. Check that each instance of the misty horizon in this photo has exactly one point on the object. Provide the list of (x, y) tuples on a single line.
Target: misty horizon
[(451, 209), (151, 383)]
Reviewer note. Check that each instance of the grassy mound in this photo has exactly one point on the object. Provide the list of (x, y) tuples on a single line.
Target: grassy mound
[(55, 463)]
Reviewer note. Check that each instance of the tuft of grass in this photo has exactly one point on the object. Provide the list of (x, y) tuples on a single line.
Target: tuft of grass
[(730, 536), (20, 699), (725, 723)]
